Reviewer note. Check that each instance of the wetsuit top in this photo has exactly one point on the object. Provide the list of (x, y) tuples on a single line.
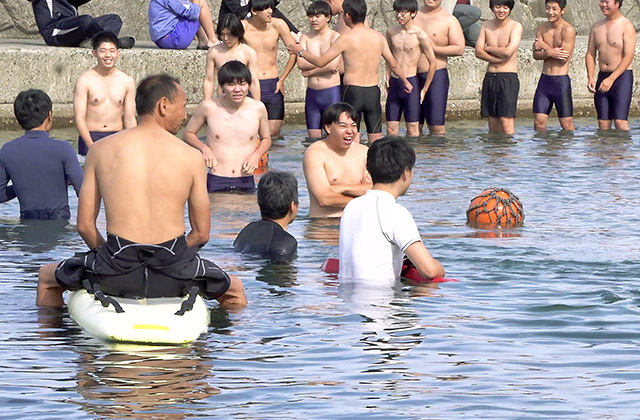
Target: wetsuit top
[(47, 13), (40, 169), (268, 239)]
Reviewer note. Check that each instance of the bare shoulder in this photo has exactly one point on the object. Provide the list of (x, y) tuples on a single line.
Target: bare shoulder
[(316, 150), (393, 30), (124, 77), (214, 51), (255, 105), (627, 24), (515, 25), (84, 78), (279, 25), (360, 149), (568, 30), (334, 35)]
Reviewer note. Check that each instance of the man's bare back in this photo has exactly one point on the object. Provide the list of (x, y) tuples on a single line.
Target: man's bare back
[(445, 33), (221, 54)]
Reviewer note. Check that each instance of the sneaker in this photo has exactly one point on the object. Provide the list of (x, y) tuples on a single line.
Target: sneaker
[(127, 42)]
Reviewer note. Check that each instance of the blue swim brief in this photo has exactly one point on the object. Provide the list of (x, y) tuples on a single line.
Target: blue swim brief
[(434, 106), (217, 183), (95, 136), (399, 101), (274, 102), (614, 105), (181, 36), (317, 100), (553, 90)]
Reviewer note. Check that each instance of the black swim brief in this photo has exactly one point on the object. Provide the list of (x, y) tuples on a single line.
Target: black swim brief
[(127, 269), (500, 95), (217, 183)]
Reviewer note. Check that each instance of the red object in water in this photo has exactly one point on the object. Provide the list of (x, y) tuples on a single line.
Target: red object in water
[(332, 266)]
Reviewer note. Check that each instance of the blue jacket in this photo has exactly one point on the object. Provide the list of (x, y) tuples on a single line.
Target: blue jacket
[(164, 14)]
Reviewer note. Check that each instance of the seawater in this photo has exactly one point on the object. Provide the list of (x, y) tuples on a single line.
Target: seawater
[(543, 322)]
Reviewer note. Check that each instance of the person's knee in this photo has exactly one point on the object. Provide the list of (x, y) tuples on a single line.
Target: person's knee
[(234, 296), (47, 274)]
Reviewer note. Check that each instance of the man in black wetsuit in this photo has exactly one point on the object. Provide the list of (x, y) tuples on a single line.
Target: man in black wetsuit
[(39, 167), (278, 202), (61, 26)]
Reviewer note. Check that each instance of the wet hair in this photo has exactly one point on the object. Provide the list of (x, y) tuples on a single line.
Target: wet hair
[(154, 88), (332, 113), (231, 22), (561, 3), (31, 108), (276, 191), (388, 158), (233, 71), (319, 7), (402, 5), (260, 5), (104, 36), (356, 9), (508, 3)]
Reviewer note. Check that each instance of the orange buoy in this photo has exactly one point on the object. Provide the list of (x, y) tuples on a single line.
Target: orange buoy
[(264, 161), (495, 207)]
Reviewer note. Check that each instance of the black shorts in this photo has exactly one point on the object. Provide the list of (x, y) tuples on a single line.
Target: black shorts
[(500, 95), (366, 102), (130, 270)]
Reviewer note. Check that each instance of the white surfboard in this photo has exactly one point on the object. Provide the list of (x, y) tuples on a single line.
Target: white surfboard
[(143, 320)]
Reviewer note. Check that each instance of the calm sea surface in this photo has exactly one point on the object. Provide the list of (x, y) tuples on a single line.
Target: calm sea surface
[(544, 322)]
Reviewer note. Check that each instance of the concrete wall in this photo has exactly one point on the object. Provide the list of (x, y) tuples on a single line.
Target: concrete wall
[(16, 16), (28, 64)]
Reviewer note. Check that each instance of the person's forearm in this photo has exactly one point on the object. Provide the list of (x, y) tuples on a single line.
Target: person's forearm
[(287, 69), (590, 64), (448, 50), (91, 236), (500, 52), (192, 140)]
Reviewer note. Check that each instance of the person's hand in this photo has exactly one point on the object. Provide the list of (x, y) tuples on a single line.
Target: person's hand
[(605, 85), (280, 87), (408, 87), (209, 158), (294, 48), (251, 163), (423, 93), (558, 53), (591, 86)]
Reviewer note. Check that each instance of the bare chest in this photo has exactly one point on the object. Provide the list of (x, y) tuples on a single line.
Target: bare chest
[(436, 29), (106, 92), (264, 42)]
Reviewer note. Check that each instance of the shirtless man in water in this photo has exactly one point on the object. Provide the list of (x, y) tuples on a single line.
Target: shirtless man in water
[(145, 176), (102, 95), (554, 44), (448, 41), (234, 124), (262, 33), (498, 45), (409, 43), (361, 49), (323, 84), (613, 39), (335, 168), (231, 47)]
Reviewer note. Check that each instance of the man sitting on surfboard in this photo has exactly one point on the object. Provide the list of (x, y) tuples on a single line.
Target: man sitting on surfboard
[(145, 176), (375, 231)]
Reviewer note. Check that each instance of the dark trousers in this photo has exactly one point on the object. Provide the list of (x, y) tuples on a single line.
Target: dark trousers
[(83, 27)]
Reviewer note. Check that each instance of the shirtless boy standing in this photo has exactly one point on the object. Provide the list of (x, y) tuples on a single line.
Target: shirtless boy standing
[(448, 41), (234, 123), (554, 44), (102, 95), (262, 33), (498, 45), (408, 43), (323, 84), (231, 47), (361, 50), (613, 39), (335, 168)]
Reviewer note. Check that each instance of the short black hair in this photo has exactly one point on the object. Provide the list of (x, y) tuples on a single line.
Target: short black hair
[(561, 3), (356, 9), (508, 3), (232, 71), (402, 5), (319, 7), (31, 108), (276, 191), (388, 158), (231, 22), (152, 89), (260, 5), (332, 113), (104, 36)]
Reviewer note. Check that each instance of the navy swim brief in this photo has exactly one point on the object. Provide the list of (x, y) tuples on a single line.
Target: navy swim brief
[(95, 136), (434, 106), (217, 183), (553, 90), (274, 102), (614, 105), (399, 101)]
